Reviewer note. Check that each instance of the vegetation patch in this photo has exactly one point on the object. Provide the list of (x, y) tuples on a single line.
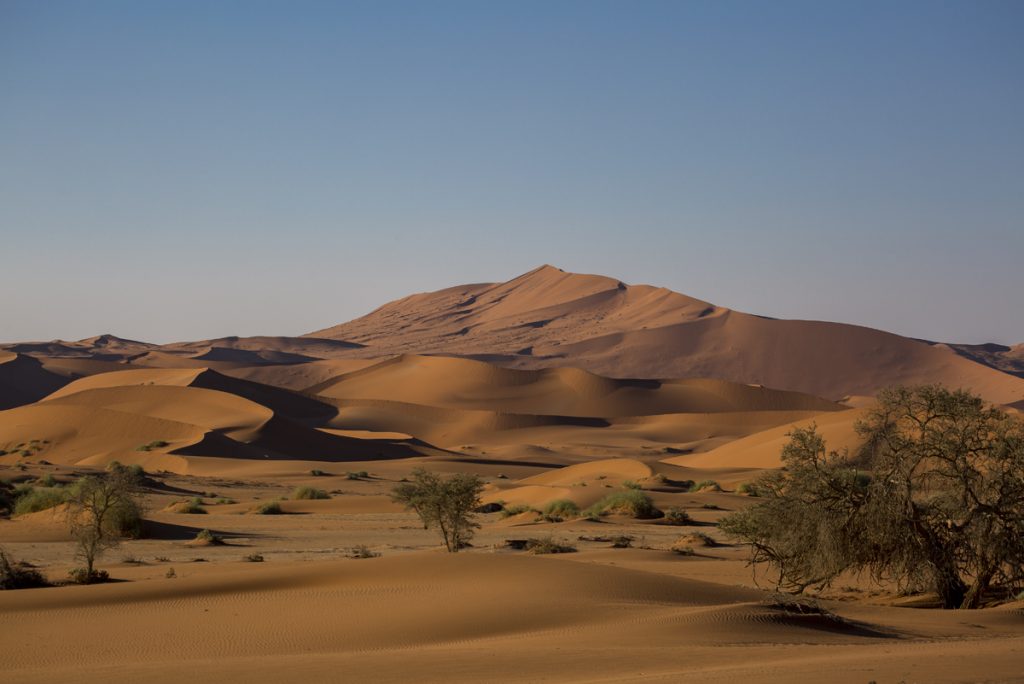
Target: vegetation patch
[(309, 493), (631, 502)]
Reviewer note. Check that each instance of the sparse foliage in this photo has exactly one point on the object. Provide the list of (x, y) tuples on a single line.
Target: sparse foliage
[(99, 507), (445, 504), (933, 500)]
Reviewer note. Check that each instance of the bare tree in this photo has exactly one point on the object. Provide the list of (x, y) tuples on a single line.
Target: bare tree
[(102, 509), (933, 500), (446, 504)]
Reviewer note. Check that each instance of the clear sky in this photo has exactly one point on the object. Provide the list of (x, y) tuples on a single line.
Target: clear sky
[(183, 170)]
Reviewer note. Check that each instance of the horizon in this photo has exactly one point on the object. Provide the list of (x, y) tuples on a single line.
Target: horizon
[(183, 171)]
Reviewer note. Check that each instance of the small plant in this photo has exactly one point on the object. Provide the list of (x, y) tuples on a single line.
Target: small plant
[(711, 507), (208, 537), (677, 516), (253, 558), (309, 493), (509, 511), (193, 506), (561, 509), (47, 480), (548, 545), (622, 542), (270, 508), (631, 502), (630, 484), (155, 444), (162, 559), (684, 550), (85, 576), (223, 501), (32, 500), (357, 475), (706, 486), (747, 488), (170, 574), (316, 472), (362, 551)]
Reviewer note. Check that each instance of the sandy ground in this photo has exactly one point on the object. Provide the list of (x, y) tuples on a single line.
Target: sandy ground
[(489, 613)]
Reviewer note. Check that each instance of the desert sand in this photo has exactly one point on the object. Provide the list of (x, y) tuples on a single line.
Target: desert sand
[(551, 386)]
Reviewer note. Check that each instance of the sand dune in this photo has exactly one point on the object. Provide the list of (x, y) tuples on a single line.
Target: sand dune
[(548, 318), (467, 384), (469, 618), (763, 449), (24, 380)]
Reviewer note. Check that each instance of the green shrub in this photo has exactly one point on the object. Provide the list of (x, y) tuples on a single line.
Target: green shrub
[(309, 493), (193, 506), (47, 480), (270, 508), (561, 509), (747, 488), (225, 501), (706, 485), (631, 502), (208, 537), (357, 475), (509, 511), (126, 519), (677, 516), (33, 500), (155, 444), (630, 484), (316, 472)]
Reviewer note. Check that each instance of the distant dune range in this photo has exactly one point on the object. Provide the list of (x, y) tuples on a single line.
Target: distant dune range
[(551, 367)]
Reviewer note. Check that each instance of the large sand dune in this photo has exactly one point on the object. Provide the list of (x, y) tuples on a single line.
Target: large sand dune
[(549, 318)]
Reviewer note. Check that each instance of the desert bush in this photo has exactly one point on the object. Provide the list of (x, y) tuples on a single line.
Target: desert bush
[(446, 504), (747, 488), (170, 574), (631, 502), (677, 516), (155, 444), (509, 511), (561, 509), (695, 539), (943, 510), (224, 501), (15, 575), (316, 472), (35, 499), (270, 508), (357, 475), (47, 480), (100, 510), (253, 558), (193, 506), (208, 537), (86, 576), (309, 493), (630, 484), (362, 551), (706, 486), (548, 545)]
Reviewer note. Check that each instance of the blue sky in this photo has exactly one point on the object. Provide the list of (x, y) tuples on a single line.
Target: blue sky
[(182, 170)]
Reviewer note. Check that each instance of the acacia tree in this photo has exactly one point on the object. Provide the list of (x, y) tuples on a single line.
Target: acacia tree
[(101, 510), (447, 504), (934, 499)]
